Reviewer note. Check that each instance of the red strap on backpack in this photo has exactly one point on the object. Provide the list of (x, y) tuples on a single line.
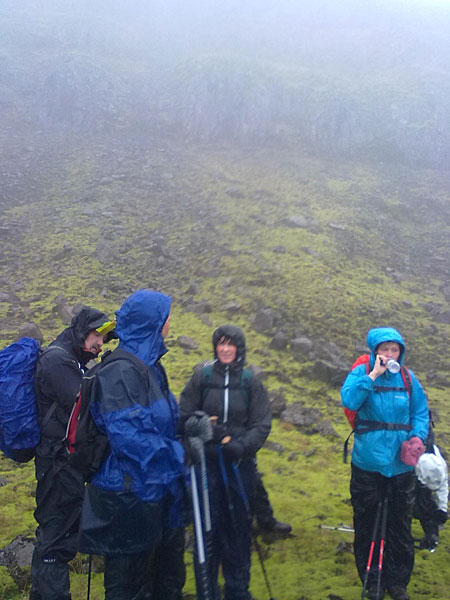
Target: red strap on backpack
[(361, 360), (73, 424)]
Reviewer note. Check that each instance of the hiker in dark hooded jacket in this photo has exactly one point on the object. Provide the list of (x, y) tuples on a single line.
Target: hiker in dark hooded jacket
[(397, 424), (132, 513), (242, 423), (59, 492)]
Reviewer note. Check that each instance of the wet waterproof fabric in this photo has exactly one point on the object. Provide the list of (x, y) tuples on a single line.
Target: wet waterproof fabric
[(158, 574), (19, 429), (60, 488), (366, 489), (246, 418), (135, 409), (380, 450), (59, 374)]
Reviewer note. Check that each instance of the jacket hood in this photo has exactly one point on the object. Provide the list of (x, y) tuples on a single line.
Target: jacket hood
[(139, 323), (377, 336), (236, 336), (85, 321), (73, 337)]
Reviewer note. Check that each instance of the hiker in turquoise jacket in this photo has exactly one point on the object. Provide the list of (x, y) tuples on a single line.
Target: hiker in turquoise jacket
[(394, 415)]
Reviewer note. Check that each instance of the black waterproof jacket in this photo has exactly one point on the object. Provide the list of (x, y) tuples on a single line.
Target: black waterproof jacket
[(58, 377), (244, 417)]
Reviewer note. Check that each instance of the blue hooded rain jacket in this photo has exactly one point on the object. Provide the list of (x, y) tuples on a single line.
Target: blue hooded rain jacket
[(380, 450), (133, 406)]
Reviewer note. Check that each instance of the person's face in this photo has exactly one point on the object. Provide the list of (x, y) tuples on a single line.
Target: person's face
[(389, 350), (226, 351), (165, 328), (93, 342)]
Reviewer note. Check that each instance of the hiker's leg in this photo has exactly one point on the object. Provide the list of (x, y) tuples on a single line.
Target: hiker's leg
[(59, 496), (168, 569), (51, 577), (236, 549), (127, 577), (399, 553), (367, 489), (263, 508)]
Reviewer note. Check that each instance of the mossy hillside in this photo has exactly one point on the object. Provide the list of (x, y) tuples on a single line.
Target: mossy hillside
[(216, 241)]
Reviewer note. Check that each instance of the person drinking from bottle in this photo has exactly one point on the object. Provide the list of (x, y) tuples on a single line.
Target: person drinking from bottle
[(237, 404), (391, 426)]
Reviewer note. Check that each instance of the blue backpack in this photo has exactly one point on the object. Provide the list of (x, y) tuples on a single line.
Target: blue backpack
[(19, 428)]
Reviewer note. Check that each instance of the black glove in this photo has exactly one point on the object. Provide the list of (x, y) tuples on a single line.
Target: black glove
[(233, 450), (219, 432), (199, 425), (440, 516), (193, 446)]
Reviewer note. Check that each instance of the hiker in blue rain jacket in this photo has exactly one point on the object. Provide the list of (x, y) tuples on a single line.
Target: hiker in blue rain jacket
[(132, 513), (394, 415), (242, 418)]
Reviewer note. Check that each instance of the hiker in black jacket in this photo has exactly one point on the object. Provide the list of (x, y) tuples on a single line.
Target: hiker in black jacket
[(241, 414), (60, 488)]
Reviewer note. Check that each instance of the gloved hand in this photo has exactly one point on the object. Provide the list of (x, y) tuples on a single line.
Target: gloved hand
[(199, 425), (233, 450), (219, 432), (193, 447), (440, 516), (411, 451)]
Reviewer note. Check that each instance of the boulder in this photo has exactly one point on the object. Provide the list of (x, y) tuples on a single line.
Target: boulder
[(277, 403), (263, 321), (201, 307), (234, 192), (187, 343), (308, 420), (296, 221), (279, 341), (258, 372), (328, 372), (30, 330), (16, 557), (301, 347)]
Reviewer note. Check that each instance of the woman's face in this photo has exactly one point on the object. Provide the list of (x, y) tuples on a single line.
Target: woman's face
[(226, 351), (389, 350)]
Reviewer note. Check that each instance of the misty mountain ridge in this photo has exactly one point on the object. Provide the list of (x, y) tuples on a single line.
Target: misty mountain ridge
[(367, 83)]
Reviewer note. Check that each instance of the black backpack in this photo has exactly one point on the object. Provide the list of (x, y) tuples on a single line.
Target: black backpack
[(87, 446)]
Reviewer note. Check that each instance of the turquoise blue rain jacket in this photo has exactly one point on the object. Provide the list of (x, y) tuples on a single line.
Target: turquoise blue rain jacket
[(380, 450)]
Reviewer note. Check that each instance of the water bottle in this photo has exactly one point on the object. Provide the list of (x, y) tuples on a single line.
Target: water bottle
[(392, 365)]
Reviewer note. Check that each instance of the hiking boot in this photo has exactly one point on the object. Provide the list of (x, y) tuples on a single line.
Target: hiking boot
[(275, 526), (373, 595), (398, 592)]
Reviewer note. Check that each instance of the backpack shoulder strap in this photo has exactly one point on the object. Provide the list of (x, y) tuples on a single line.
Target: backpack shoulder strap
[(406, 376)]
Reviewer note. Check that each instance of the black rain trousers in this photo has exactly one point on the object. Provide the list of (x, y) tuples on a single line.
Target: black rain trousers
[(59, 496), (367, 488)]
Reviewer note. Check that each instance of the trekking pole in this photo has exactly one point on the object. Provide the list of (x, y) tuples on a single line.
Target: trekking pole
[(340, 527), (382, 542), (226, 484), (372, 545), (89, 576), (206, 509), (244, 497), (202, 579)]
